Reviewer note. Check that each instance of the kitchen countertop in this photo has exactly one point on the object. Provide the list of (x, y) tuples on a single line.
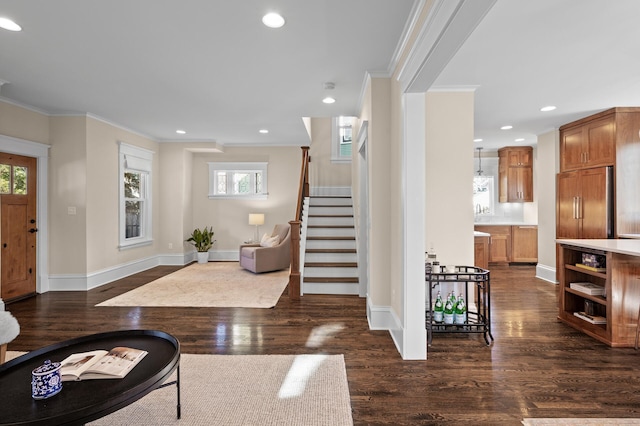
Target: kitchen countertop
[(629, 247), (504, 224)]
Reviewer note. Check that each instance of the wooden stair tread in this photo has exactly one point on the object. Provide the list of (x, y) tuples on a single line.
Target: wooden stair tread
[(330, 251), (353, 280), (331, 264), (330, 215), (330, 226), (329, 238), (332, 206)]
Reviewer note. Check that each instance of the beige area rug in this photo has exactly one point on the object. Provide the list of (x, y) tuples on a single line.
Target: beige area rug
[(580, 421), (212, 284), (246, 390)]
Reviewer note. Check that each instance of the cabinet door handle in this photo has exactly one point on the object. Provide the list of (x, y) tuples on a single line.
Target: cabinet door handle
[(579, 207), (574, 207)]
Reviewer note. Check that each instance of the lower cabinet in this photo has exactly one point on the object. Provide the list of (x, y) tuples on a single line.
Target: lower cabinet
[(511, 243), (481, 252), (524, 243)]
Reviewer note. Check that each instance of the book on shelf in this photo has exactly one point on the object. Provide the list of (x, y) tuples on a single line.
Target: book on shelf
[(590, 268), (588, 288), (593, 319), (100, 364)]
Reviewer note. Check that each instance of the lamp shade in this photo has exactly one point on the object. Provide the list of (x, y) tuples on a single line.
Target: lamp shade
[(256, 218)]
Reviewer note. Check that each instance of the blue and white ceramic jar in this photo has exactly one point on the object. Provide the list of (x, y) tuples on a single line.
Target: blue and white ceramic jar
[(46, 380)]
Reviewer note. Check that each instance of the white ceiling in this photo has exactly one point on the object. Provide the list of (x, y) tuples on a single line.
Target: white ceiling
[(211, 68), (583, 56)]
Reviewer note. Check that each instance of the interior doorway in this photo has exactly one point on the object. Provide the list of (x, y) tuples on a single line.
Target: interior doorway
[(18, 226)]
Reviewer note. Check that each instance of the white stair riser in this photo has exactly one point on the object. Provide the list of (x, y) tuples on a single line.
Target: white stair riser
[(331, 288), (331, 244), (336, 211), (330, 257), (331, 232), (335, 221), (314, 201), (329, 272)]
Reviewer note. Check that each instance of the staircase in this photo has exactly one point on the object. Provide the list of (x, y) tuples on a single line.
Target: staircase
[(330, 259)]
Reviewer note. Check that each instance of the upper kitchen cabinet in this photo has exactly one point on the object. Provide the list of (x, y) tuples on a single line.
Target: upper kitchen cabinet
[(589, 142), (609, 138), (515, 174)]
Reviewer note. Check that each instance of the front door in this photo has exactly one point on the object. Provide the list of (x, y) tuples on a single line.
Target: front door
[(18, 178)]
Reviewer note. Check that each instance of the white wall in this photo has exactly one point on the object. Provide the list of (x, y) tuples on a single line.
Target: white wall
[(548, 166), (449, 176)]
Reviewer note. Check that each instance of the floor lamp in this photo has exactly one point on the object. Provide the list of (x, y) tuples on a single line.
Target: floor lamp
[(256, 219)]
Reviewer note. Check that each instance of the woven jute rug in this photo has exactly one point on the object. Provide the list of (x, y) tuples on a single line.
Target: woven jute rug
[(212, 284), (245, 390)]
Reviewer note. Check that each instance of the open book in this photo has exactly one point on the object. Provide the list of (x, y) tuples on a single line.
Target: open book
[(113, 364)]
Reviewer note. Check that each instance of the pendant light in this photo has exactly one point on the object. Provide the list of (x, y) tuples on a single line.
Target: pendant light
[(479, 161)]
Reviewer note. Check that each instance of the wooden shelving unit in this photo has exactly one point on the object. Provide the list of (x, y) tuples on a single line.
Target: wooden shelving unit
[(619, 305)]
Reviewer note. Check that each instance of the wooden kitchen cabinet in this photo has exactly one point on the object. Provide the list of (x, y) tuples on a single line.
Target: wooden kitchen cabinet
[(511, 243), (481, 252), (499, 242), (588, 143), (515, 174), (584, 208), (524, 243)]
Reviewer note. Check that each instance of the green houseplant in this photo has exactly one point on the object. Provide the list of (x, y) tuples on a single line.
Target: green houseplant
[(202, 240)]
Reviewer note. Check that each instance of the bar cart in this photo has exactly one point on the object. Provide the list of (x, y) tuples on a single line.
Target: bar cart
[(478, 321)]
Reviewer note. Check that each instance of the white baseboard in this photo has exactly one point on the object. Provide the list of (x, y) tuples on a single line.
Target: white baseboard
[(81, 282), (547, 273), (381, 317)]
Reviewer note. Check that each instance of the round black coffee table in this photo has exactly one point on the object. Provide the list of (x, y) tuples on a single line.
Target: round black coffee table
[(84, 401)]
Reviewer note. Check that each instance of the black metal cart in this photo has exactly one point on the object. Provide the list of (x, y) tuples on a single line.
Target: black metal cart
[(478, 321)]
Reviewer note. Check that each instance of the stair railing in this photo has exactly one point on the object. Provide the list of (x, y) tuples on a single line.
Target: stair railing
[(303, 192)]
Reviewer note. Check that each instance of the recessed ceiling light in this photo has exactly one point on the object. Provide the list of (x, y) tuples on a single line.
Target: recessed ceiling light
[(8, 24), (506, 127), (181, 132), (273, 20), (547, 108), (477, 140), (520, 140), (263, 131), (328, 100)]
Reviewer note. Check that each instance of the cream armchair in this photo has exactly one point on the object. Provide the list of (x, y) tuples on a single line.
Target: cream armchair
[(258, 259)]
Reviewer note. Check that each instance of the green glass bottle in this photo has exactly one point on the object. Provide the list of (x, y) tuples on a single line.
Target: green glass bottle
[(438, 309), (447, 315), (460, 311)]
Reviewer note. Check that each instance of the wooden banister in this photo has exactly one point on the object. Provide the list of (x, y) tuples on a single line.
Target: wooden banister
[(303, 192)]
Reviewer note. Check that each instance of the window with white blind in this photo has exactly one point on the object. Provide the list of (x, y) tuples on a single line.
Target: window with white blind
[(135, 196)]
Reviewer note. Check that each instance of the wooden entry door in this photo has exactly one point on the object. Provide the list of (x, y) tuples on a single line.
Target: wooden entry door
[(18, 189)]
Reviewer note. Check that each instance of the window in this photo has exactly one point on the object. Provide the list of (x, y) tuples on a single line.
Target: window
[(13, 179), (238, 180), (483, 195), (342, 134), (135, 196)]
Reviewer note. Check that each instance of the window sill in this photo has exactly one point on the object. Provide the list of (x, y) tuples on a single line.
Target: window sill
[(239, 197), (129, 245)]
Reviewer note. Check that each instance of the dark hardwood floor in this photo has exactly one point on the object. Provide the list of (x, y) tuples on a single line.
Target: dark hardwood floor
[(537, 367)]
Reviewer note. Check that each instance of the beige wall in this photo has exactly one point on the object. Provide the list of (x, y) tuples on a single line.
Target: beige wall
[(103, 203), (323, 173), (449, 176), (230, 217), (377, 110), (23, 123), (68, 188), (547, 167)]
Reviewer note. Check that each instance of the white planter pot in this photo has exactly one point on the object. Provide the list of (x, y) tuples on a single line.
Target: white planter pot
[(203, 256)]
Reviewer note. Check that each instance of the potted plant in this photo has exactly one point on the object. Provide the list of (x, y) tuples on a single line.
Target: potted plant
[(202, 240)]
